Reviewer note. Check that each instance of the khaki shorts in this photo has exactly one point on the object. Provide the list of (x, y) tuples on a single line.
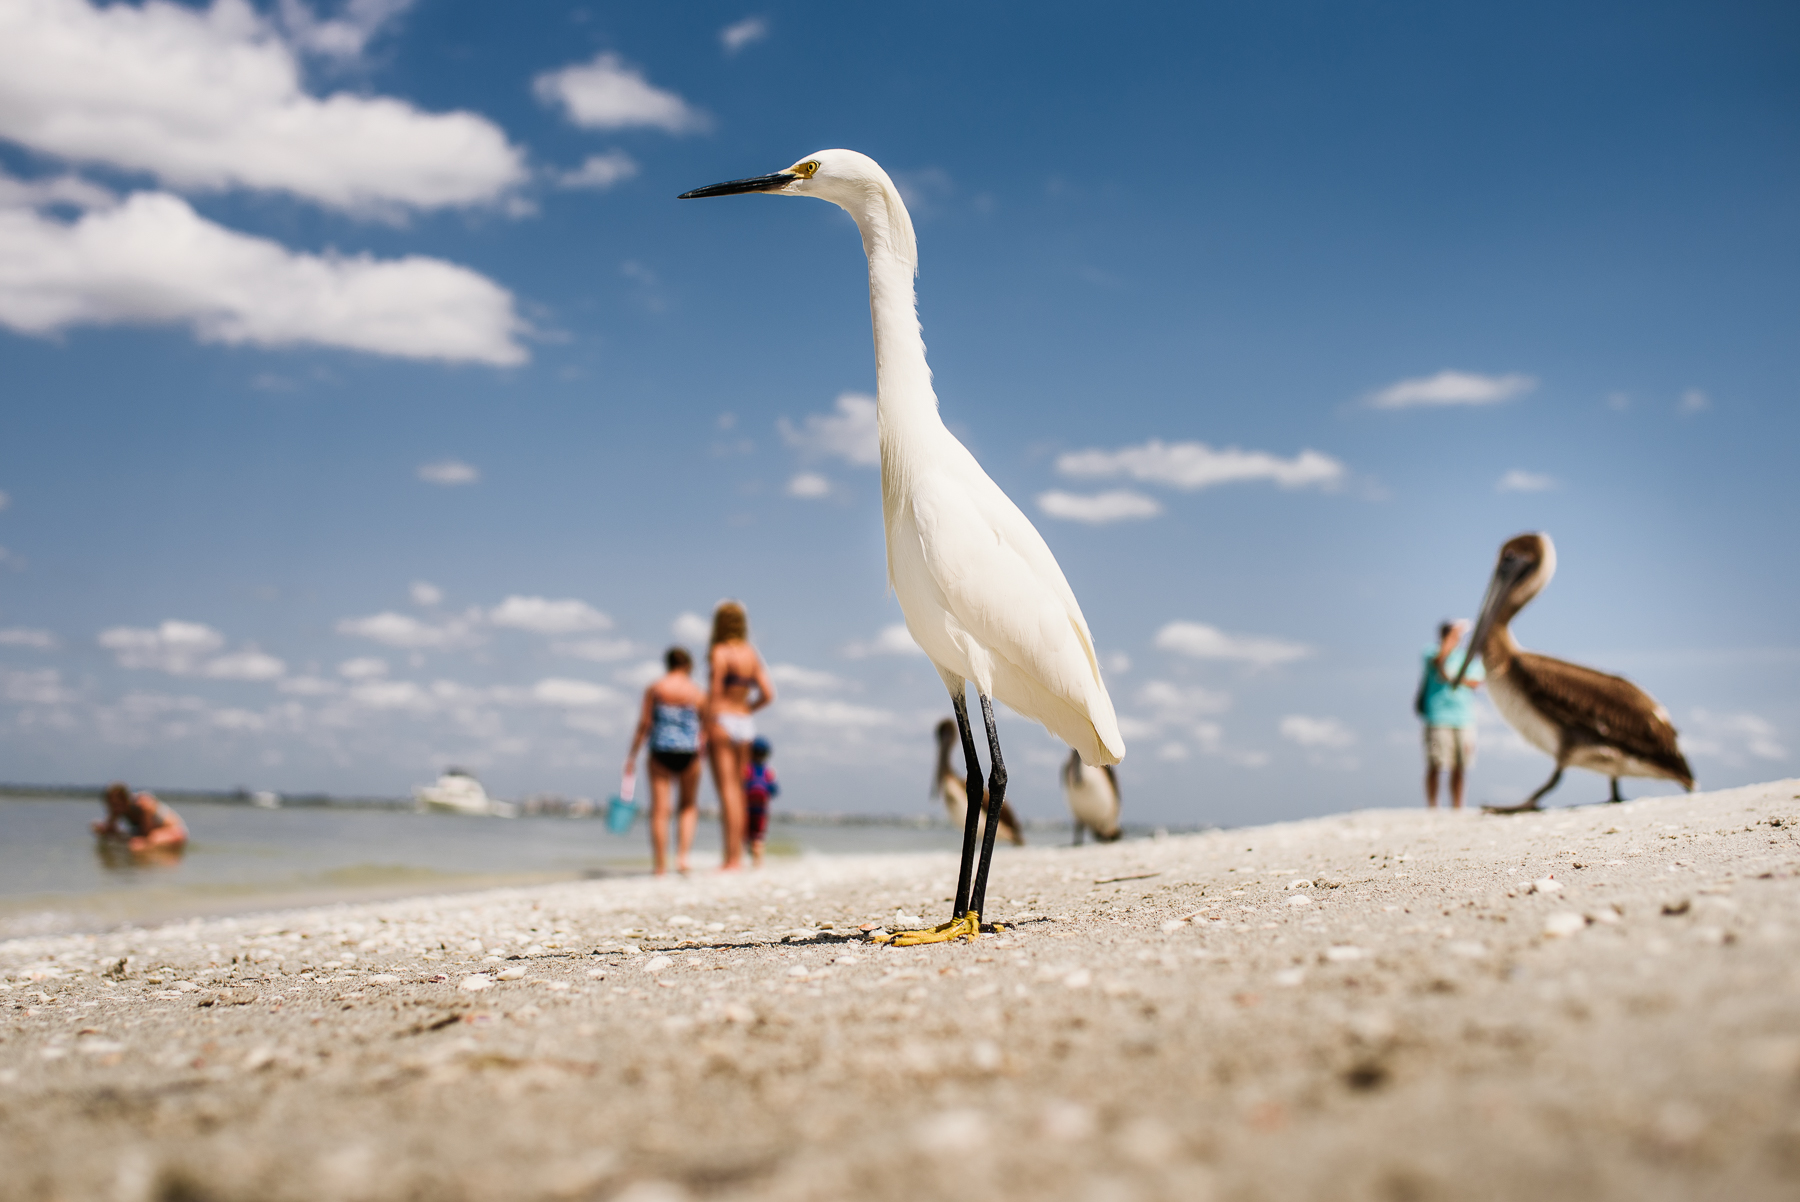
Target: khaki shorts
[(1449, 746)]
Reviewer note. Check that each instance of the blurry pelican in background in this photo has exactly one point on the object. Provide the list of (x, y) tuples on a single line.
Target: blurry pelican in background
[(946, 782), (1093, 796)]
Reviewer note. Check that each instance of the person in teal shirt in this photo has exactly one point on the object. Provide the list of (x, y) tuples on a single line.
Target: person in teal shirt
[(1449, 712)]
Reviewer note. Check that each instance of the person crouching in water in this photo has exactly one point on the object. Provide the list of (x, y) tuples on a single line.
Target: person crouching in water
[(140, 821), (671, 723), (759, 787)]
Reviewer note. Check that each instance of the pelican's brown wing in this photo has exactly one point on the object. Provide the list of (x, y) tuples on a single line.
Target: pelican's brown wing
[(1602, 709)]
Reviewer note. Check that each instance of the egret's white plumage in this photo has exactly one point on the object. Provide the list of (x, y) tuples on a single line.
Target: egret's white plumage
[(981, 592)]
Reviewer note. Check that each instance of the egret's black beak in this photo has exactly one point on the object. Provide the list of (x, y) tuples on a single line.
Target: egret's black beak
[(1507, 573), (760, 183)]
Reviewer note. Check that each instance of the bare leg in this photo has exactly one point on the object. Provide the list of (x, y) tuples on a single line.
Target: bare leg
[(660, 780), (1431, 787), (1456, 787), (688, 818), (996, 798), (1530, 803), (728, 778)]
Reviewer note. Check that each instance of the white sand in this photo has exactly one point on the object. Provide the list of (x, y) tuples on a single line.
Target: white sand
[(1377, 1005)]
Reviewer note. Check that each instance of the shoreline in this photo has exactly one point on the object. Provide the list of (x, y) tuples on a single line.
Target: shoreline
[(1594, 1002)]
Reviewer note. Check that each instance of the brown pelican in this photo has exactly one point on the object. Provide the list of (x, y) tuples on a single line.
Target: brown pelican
[(1585, 719), (946, 783), (1093, 797)]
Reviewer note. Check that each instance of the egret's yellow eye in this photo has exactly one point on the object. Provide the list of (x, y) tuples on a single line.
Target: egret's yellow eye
[(807, 169)]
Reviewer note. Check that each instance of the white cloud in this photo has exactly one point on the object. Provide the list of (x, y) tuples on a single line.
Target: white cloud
[(892, 640), (738, 34), (1173, 703), (1097, 510), (363, 668), (849, 434), (600, 171), (1195, 465), (247, 664), (20, 636), (1732, 737), (600, 651), (691, 628), (449, 473), (391, 695), (424, 593), (404, 630), (1116, 662), (153, 260), (42, 686), (1519, 480), (309, 686), (1201, 641), (574, 694), (793, 676), (640, 675), (187, 649), (1326, 734), (808, 484), (541, 615), (344, 36), (607, 94), (813, 712), (1452, 388), (214, 99), (1694, 401)]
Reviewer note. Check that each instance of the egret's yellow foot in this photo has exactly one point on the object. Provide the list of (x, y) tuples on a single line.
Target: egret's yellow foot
[(969, 925)]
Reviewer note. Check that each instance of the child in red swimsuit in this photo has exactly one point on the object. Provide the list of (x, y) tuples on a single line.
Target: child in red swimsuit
[(759, 787)]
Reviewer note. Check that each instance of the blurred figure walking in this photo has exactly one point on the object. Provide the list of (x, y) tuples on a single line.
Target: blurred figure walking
[(1448, 711), (738, 686), (671, 723)]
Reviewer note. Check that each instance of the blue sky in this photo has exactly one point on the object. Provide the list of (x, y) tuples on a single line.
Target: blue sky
[(370, 404)]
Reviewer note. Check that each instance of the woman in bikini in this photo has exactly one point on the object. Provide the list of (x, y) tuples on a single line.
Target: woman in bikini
[(141, 822), (671, 723), (734, 669)]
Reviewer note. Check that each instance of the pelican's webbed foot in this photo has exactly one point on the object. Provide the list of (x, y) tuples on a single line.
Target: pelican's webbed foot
[(968, 926), (1524, 807)]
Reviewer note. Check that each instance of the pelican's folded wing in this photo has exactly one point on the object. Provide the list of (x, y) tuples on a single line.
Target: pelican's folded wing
[(1607, 709)]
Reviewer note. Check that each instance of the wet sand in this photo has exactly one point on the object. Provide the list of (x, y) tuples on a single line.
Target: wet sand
[(1593, 1003)]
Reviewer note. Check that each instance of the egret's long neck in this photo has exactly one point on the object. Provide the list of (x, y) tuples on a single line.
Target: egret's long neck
[(902, 378)]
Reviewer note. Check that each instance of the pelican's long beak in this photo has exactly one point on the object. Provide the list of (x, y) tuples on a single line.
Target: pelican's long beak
[(731, 187), (1506, 574)]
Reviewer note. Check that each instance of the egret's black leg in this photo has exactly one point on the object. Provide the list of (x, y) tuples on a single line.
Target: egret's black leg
[(1530, 803), (996, 795), (1616, 797), (972, 812)]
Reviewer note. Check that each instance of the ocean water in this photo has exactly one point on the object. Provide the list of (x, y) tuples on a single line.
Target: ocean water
[(55, 877)]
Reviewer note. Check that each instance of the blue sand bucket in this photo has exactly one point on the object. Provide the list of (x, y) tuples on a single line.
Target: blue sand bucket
[(620, 814)]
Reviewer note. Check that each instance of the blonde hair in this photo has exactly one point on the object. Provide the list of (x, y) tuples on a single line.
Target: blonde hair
[(730, 623)]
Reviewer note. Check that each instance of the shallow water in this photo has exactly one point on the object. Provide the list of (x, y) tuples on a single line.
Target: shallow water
[(54, 877)]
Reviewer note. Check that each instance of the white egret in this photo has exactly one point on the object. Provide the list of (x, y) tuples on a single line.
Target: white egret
[(1586, 719), (1093, 797), (982, 595), (945, 783)]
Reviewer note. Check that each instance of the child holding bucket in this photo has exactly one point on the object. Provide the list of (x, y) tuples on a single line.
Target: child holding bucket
[(671, 724)]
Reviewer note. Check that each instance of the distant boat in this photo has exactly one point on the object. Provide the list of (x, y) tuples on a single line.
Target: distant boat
[(458, 792), (263, 799)]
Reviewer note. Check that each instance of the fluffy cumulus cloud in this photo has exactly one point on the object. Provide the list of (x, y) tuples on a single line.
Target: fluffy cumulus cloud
[(1520, 480), (810, 711), (600, 171), (423, 592), (691, 628), (1117, 505), (609, 94), (1452, 388), (25, 636), (793, 676), (366, 667), (574, 694), (449, 473), (808, 485), (739, 34), (214, 98), (1734, 739), (1178, 719), (1195, 465), (344, 36), (1200, 641), (152, 260), (542, 615), (187, 649), (892, 640), (1317, 733), (849, 433), (602, 651), (413, 634)]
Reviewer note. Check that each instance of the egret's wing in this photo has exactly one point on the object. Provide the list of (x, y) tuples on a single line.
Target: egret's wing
[(1000, 583), (1605, 709)]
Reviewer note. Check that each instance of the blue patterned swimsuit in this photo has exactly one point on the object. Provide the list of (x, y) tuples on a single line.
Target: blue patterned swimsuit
[(674, 736)]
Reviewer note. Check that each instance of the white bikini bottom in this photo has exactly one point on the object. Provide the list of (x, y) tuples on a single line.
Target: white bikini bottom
[(739, 728)]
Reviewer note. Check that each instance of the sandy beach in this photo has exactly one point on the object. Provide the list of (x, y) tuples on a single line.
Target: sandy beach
[(1592, 1003)]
